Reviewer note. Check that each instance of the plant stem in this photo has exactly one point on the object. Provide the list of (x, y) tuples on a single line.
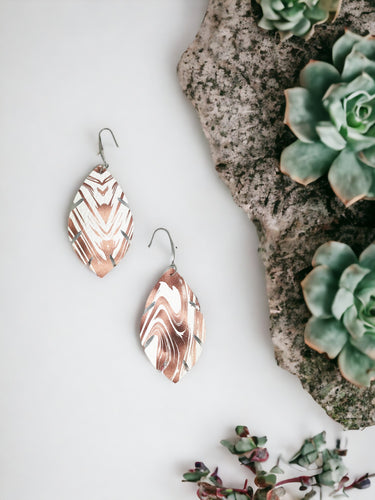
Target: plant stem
[(357, 481)]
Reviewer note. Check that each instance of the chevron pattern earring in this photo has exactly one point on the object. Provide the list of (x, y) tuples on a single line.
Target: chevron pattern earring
[(100, 224), (172, 325)]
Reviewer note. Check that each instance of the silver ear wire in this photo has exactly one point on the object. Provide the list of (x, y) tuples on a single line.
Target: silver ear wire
[(173, 265), (101, 149)]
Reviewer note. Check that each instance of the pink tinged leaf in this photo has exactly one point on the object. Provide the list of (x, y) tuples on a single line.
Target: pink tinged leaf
[(172, 326), (326, 335), (349, 179), (100, 224), (306, 162)]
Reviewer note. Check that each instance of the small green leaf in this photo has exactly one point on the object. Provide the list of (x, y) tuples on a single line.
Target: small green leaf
[(242, 431), (319, 440), (309, 452), (276, 470), (333, 469), (244, 445), (261, 495), (193, 477), (263, 480), (261, 441), (238, 496), (228, 445)]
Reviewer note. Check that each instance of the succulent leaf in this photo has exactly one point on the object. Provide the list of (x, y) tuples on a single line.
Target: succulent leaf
[(297, 17), (367, 257), (340, 293), (319, 289), (333, 468), (326, 335), (342, 301), (355, 64), (366, 288), (342, 47), (356, 367), (318, 76), (366, 344), (330, 136), (309, 452), (301, 115), (335, 108), (335, 255), (351, 277), (301, 29), (367, 156), (244, 445), (306, 162), (352, 323), (349, 179)]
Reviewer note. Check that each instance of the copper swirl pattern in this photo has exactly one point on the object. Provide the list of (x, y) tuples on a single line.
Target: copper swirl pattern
[(172, 326), (100, 225)]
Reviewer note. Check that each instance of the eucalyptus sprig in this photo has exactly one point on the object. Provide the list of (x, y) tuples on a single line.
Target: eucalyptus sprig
[(322, 467)]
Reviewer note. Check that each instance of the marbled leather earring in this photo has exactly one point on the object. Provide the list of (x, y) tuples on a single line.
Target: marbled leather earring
[(100, 224), (172, 325)]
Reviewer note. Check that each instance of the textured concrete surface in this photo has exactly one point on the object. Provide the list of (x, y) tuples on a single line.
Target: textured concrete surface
[(235, 73)]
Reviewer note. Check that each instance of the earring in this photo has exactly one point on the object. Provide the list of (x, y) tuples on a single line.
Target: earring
[(100, 224), (172, 326)]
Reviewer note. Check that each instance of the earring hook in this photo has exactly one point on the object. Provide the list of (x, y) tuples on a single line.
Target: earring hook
[(101, 149), (171, 242)]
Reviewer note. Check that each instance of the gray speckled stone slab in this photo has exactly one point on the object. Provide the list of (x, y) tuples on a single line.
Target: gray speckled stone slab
[(235, 74)]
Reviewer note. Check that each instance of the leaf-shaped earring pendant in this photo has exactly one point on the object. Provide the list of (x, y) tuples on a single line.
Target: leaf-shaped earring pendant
[(100, 224), (172, 325)]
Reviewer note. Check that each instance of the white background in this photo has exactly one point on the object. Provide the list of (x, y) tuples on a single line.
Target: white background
[(83, 414)]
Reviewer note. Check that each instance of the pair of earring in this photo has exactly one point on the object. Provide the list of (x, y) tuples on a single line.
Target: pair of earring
[(100, 228)]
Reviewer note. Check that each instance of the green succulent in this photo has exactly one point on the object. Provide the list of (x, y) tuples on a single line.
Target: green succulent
[(313, 453), (333, 116), (297, 17), (340, 293)]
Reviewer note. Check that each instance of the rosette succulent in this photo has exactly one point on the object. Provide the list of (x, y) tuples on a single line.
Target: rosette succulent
[(297, 17), (340, 293), (333, 116)]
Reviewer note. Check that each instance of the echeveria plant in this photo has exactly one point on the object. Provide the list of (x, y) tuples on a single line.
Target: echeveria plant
[(340, 293), (297, 17), (333, 116)]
